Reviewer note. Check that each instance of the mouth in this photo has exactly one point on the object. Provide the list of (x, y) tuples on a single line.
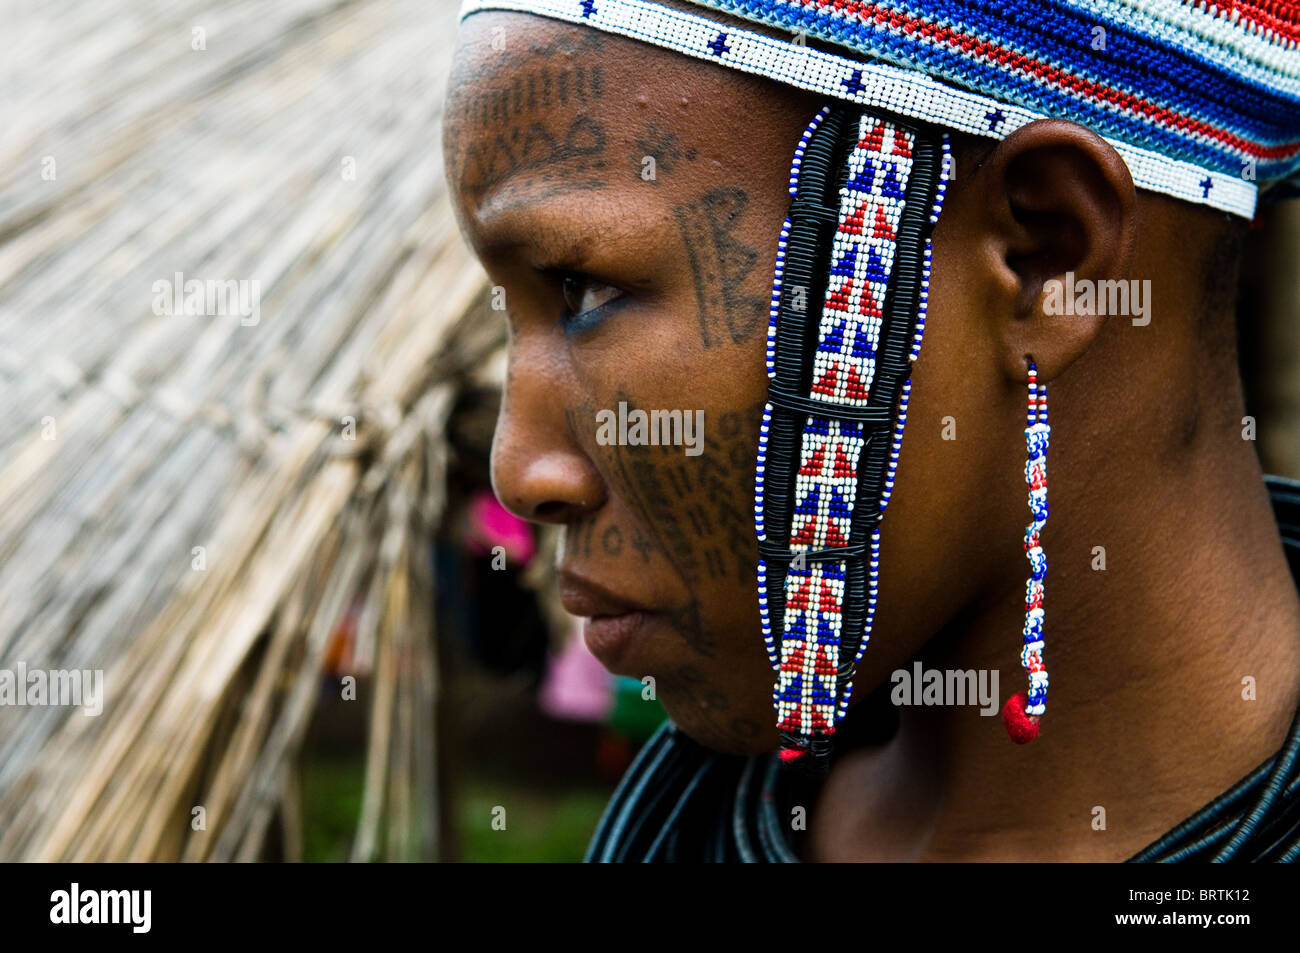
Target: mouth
[(612, 624)]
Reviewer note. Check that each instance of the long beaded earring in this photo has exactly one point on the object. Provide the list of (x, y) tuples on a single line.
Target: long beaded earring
[(1023, 710)]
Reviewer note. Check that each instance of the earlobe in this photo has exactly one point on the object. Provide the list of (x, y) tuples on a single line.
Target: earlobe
[(1058, 208)]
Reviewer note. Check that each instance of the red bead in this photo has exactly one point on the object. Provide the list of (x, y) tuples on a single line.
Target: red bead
[(1021, 726)]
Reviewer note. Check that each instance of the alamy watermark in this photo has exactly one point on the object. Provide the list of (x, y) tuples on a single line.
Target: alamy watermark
[(132, 908), (952, 687), (209, 297), (58, 688), (1106, 298), (655, 428)]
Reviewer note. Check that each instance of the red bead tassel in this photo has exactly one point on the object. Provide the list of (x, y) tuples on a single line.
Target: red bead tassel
[(1021, 726)]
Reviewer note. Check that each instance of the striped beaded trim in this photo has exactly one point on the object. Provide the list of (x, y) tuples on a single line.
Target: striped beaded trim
[(867, 190), (892, 89)]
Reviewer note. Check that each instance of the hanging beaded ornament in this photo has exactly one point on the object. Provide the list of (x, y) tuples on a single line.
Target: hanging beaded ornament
[(1023, 710), (847, 316)]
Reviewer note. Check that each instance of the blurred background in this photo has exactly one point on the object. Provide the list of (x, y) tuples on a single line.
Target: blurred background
[(262, 509)]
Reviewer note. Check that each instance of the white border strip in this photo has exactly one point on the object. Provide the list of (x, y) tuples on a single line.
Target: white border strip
[(882, 85)]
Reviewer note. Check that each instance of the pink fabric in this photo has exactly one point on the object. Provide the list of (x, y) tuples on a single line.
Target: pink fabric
[(491, 524), (576, 687)]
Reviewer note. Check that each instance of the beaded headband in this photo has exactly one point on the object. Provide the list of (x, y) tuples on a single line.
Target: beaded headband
[(1225, 162)]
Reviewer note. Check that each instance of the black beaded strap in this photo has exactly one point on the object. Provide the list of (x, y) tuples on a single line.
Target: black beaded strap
[(814, 218)]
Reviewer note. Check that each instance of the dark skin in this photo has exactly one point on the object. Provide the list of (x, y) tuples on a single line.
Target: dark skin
[(653, 291)]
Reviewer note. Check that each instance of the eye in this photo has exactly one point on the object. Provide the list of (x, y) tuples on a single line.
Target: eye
[(584, 295)]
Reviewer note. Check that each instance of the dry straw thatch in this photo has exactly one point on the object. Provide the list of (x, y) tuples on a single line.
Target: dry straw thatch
[(137, 446)]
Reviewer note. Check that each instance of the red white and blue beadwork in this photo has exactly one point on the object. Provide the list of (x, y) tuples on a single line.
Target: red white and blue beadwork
[(809, 642), (1023, 710)]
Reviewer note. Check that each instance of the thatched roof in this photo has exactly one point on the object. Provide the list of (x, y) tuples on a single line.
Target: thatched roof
[(192, 503)]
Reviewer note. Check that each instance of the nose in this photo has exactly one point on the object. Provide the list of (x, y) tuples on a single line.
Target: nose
[(539, 471)]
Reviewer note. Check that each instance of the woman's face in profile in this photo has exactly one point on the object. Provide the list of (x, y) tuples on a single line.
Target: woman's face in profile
[(626, 204)]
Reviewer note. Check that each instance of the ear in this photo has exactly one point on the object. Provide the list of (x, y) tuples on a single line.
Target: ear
[(1051, 200)]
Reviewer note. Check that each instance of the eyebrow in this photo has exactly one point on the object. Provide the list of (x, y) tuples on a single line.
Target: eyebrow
[(494, 212), (547, 222)]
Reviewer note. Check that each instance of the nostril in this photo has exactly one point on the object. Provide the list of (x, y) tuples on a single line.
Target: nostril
[(550, 511)]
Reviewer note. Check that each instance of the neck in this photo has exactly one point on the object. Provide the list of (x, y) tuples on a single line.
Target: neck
[(1152, 659)]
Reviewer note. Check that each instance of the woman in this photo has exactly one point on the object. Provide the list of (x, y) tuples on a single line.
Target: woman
[(690, 212)]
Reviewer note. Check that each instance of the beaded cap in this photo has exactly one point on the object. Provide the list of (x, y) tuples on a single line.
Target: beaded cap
[(1213, 84), (1202, 102)]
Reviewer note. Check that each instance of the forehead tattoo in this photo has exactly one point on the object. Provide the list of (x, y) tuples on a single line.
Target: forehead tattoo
[(539, 118)]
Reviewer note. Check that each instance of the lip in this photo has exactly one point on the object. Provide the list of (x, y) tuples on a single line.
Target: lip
[(610, 637), (612, 624), (584, 597)]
